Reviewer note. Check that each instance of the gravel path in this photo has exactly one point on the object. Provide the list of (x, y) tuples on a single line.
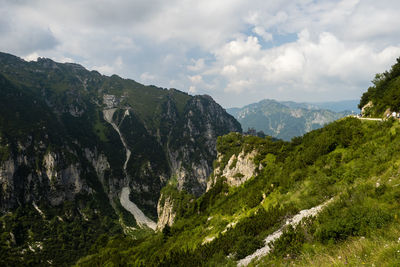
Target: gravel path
[(366, 119), (371, 119), (274, 236)]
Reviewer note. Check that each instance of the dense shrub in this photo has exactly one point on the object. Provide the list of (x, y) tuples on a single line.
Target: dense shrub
[(289, 243)]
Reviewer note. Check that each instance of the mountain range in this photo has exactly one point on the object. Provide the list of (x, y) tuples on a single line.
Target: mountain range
[(103, 171), (285, 120), (328, 198)]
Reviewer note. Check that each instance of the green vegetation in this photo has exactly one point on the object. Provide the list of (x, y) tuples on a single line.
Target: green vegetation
[(350, 160), (46, 107), (385, 92), (351, 163), (28, 238), (180, 200), (126, 217)]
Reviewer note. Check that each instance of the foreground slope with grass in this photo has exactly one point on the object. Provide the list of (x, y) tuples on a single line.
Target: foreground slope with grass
[(355, 163)]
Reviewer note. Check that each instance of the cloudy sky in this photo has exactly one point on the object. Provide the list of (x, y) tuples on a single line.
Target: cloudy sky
[(237, 51)]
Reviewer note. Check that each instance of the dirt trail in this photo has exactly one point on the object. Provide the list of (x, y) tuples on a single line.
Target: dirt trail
[(274, 236)]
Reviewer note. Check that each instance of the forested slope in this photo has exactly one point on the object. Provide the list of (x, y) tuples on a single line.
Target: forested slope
[(384, 93), (78, 149), (355, 163)]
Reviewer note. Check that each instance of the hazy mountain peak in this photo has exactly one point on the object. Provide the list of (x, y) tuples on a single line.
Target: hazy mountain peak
[(286, 119)]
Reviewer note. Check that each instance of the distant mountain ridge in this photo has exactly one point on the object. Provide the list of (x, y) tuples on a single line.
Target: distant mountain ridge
[(336, 106), (288, 119)]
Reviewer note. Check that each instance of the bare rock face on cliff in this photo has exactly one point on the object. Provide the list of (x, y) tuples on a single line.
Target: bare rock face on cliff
[(71, 140), (239, 169), (166, 212)]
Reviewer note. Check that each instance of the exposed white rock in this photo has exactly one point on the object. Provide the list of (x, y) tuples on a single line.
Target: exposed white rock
[(166, 214), (31, 248), (108, 116), (236, 173), (230, 225), (208, 239), (199, 170), (126, 113), (111, 101), (12, 236), (99, 163), (49, 161), (366, 107), (65, 183), (38, 210), (84, 216), (244, 166), (35, 246), (294, 221), (140, 218)]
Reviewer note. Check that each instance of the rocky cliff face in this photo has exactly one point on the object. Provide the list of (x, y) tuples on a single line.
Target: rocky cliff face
[(203, 123), (239, 169), (165, 211), (68, 135)]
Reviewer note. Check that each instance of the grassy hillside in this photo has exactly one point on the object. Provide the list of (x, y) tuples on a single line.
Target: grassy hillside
[(354, 162)]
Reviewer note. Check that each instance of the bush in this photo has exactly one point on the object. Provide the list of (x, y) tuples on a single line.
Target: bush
[(337, 222), (290, 242)]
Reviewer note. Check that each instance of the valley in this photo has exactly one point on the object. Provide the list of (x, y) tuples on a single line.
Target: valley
[(326, 198), (91, 175), (93, 153), (200, 133)]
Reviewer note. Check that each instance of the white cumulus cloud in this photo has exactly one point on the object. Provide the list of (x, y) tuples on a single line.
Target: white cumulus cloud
[(243, 51)]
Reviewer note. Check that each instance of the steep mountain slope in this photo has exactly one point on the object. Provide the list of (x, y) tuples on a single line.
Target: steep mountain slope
[(330, 197), (78, 150), (348, 167), (284, 120)]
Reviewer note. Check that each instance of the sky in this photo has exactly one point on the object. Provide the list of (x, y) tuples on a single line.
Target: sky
[(237, 51)]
